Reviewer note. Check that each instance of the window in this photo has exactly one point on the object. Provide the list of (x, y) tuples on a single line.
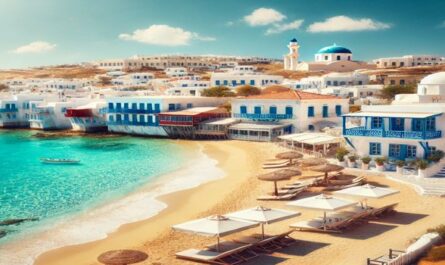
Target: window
[(252, 82), (125, 105), (243, 109), (157, 107), (171, 107), (397, 124), (416, 125), (394, 150), (411, 151), (376, 123), (311, 127), (189, 105), (217, 82), (431, 124), (325, 112), (338, 110), (338, 57), (63, 110), (134, 106), (326, 58), (310, 111), (289, 110), (375, 149), (141, 106), (273, 110), (110, 105), (257, 109), (402, 82)]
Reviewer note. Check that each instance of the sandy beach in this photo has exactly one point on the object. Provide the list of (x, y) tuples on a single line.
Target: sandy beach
[(241, 161)]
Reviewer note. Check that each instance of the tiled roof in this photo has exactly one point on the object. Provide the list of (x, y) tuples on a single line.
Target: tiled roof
[(292, 95)]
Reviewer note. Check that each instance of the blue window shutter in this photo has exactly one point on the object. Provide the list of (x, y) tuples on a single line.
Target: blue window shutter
[(243, 109)]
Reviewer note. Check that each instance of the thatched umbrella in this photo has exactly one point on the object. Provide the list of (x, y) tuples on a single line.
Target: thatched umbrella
[(279, 175), (289, 155), (122, 257), (311, 162), (326, 168)]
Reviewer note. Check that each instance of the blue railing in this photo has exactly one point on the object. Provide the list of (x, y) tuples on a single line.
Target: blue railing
[(9, 110), (132, 123), (263, 116), (133, 111), (361, 131)]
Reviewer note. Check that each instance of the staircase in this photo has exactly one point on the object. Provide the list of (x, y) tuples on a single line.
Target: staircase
[(433, 190)]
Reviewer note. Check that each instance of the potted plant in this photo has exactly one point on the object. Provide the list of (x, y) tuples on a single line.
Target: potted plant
[(380, 163), (365, 162), (399, 166), (436, 156), (421, 166), (340, 155), (351, 160)]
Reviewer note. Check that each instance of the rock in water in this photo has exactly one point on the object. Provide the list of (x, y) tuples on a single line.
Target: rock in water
[(16, 221), (2, 233)]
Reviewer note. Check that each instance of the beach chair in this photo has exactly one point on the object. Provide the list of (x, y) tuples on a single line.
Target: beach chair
[(296, 185), (340, 187), (230, 257), (316, 225), (284, 239), (378, 212), (281, 197), (267, 245), (270, 166), (246, 254)]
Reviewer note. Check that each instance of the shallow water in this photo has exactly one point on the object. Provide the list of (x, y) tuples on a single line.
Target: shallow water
[(110, 168)]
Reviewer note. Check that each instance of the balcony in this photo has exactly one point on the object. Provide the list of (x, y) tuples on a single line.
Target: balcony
[(416, 135), (131, 123), (133, 111), (3, 110), (266, 117)]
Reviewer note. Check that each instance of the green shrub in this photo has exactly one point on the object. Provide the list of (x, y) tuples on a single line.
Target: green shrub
[(366, 160), (352, 158), (435, 156), (340, 154), (439, 229), (421, 164), (400, 163), (218, 91), (380, 161)]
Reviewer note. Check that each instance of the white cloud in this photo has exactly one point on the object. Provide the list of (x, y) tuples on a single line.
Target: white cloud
[(278, 28), (230, 23), (344, 23), (35, 47), (164, 35), (264, 16)]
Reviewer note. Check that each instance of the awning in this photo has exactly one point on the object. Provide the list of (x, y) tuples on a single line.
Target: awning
[(311, 138), (393, 114), (257, 126)]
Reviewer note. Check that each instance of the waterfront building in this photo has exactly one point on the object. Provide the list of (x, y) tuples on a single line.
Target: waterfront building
[(411, 127), (286, 112), (140, 115), (332, 58), (185, 123), (50, 115), (90, 117), (409, 61), (15, 110)]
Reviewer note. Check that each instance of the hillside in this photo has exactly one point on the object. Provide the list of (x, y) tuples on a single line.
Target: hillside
[(64, 71)]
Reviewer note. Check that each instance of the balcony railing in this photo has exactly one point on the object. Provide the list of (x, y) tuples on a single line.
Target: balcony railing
[(9, 110), (418, 135), (132, 123), (263, 116), (133, 111)]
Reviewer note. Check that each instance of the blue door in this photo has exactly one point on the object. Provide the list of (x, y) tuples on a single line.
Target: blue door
[(243, 109), (289, 111), (157, 108), (397, 124), (273, 110), (150, 108)]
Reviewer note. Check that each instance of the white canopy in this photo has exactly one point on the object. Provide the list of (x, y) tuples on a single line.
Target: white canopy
[(311, 138), (322, 202), (263, 215), (367, 191), (216, 225)]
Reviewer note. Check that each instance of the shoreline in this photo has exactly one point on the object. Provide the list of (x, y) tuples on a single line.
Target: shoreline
[(174, 203), (107, 212)]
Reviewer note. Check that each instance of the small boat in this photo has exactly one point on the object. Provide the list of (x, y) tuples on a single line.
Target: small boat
[(59, 161)]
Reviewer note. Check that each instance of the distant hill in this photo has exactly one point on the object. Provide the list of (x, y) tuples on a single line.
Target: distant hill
[(63, 71)]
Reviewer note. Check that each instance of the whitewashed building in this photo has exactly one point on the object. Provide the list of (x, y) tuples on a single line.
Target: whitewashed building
[(68, 84), (90, 117), (411, 127), (244, 75), (296, 111), (133, 79), (139, 115), (332, 79), (176, 71), (409, 61), (186, 86)]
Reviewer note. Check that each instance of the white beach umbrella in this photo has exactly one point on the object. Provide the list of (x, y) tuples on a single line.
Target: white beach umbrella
[(263, 215), (323, 203), (216, 225), (367, 192)]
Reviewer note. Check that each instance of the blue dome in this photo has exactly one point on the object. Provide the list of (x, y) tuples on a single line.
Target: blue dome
[(334, 49), (293, 40)]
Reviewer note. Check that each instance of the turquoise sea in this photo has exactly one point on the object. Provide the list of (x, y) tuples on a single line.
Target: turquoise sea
[(110, 168)]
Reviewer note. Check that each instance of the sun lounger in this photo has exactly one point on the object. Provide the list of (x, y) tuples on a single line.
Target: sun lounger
[(280, 165), (340, 187), (284, 239), (211, 257), (283, 191), (224, 246), (296, 185), (377, 212), (269, 244), (281, 197)]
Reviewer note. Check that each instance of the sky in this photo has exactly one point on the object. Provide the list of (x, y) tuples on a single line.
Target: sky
[(48, 32)]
